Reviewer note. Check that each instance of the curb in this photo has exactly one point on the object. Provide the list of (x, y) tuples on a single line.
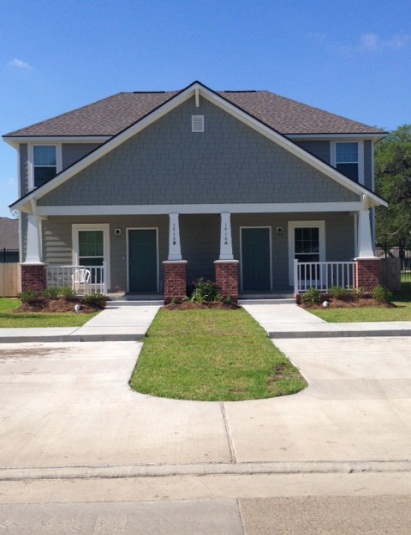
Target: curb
[(117, 472), (135, 337), (339, 334)]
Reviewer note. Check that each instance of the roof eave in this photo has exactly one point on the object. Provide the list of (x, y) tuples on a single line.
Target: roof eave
[(166, 107)]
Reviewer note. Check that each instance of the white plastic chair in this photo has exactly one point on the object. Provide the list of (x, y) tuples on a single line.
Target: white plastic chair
[(81, 280)]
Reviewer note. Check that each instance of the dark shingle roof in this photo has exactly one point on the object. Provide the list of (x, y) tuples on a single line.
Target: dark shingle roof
[(9, 233), (111, 115)]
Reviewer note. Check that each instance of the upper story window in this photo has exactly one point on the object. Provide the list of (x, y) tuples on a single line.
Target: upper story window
[(44, 164), (347, 159)]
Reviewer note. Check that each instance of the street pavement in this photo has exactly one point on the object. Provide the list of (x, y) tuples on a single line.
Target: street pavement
[(79, 450)]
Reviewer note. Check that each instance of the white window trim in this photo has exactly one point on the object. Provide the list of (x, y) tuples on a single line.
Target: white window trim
[(105, 227), (30, 156), (271, 252), (128, 254), (292, 225), (360, 143)]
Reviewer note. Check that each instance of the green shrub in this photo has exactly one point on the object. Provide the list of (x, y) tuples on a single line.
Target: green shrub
[(381, 294), (311, 297), (67, 293), (95, 300), (357, 293), (30, 296), (204, 290), (51, 293), (336, 292)]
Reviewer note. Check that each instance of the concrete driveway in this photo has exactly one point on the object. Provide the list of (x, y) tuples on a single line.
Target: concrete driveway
[(68, 407)]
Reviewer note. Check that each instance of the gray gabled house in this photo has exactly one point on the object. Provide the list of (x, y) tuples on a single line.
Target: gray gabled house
[(151, 190)]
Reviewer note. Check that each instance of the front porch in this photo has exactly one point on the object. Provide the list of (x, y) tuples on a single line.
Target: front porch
[(245, 252)]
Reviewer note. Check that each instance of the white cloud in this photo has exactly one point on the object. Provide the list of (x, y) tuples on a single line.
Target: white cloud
[(19, 64), (368, 43), (11, 183)]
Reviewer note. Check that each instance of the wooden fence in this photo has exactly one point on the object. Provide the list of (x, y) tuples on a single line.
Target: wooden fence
[(9, 280)]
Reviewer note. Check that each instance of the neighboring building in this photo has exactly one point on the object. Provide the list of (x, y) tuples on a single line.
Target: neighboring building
[(161, 188), (9, 240)]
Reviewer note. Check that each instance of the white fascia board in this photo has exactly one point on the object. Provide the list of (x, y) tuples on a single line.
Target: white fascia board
[(164, 209), (371, 137), (226, 106), (16, 141)]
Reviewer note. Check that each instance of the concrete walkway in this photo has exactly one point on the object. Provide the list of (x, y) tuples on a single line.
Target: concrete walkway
[(82, 452), (120, 321), (128, 321), (290, 321)]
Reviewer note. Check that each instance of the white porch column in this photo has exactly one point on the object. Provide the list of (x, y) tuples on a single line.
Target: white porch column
[(365, 245), (226, 246), (33, 253), (174, 245)]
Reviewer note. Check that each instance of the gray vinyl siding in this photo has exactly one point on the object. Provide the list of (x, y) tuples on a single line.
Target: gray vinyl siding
[(368, 168), (57, 242), (24, 169), (72, 152), (200, 244), (169, 164), (200, 241), (320, 149), (339, 237)]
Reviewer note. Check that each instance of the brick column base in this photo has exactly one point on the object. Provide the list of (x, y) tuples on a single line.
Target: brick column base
[(33, 277), (367, 273), (226, 278), (174, 280)]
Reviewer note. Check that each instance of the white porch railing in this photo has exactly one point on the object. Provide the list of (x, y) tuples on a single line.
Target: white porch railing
[(81, 279), (323, 275)]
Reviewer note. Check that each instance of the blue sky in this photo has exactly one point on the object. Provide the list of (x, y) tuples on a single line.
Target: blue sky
[(350, 57)]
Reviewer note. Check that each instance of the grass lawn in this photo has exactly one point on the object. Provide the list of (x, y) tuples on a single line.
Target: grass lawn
[(9, 320), (350, 315), (212, 355)]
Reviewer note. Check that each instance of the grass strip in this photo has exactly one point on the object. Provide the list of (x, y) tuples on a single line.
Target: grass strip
[(11, 320), (212, 355), (402, 300)]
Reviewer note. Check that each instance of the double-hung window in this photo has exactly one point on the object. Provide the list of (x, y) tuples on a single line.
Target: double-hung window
[(347, 160), (91, 247), (44, 164), (306, 243)]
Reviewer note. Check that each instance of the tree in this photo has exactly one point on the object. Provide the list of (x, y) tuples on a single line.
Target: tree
[(393, 183)]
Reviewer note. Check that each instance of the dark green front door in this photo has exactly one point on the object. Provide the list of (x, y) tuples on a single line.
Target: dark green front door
[(142, 260), (255, 259)]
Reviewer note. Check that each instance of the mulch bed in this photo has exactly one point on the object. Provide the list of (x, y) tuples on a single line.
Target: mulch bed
[(188, 305), (52, 306), (347, 303)]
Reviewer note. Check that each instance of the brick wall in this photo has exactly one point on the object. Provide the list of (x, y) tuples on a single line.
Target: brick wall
[(226, 278), (33, 277), (367, 273), (174, 280)]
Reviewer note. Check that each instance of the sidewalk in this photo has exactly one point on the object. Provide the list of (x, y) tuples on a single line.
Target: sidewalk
[(120, 321), (291, 321), (127, 321)]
